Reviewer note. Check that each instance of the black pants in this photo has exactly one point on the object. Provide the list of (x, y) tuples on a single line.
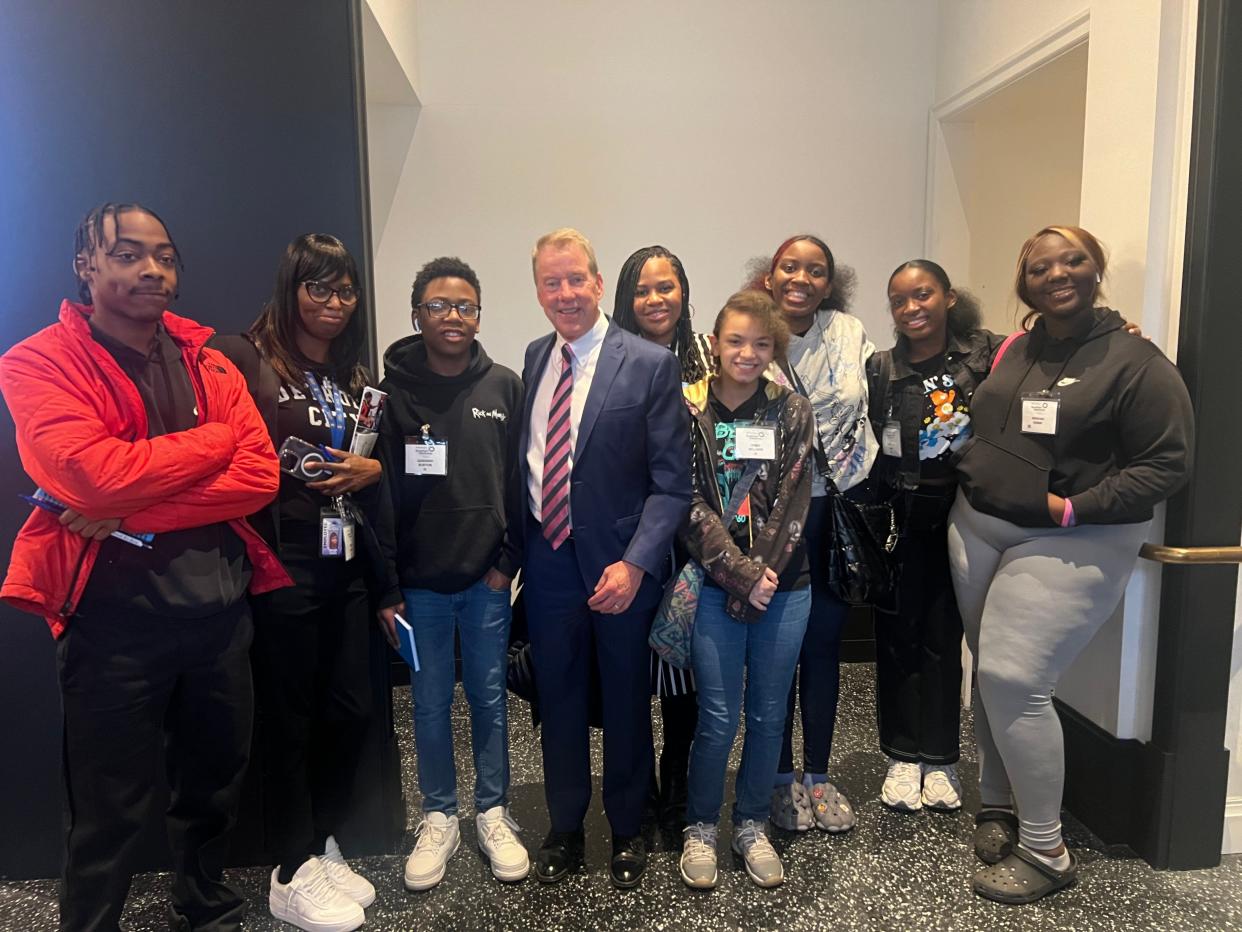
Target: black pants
[(311, 673), (679, 716), (918, 648), (566, 638), (817, 682), (131, 685)]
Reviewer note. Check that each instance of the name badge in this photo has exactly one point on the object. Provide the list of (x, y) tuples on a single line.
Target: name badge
[(755, 443), (423, 458), (890, 438), (336, 534), (1039, 413)]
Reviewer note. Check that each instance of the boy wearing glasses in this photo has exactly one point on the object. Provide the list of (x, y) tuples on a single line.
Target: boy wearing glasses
[(450, 430)]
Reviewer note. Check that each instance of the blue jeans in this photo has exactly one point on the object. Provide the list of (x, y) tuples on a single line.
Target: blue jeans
[(768, 652), (482, 617)]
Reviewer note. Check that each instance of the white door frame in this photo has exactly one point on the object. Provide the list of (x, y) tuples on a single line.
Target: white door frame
[(1064, 38)]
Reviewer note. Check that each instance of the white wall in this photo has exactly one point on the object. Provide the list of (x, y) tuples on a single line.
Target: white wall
[(715, 127), (392, 101), (398, 20)]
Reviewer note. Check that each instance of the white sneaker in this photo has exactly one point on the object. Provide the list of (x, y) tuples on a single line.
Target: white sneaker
[(750, 840), (941, 788), (499, 841), (353, 885), (903, 787), (311, 901), (698, 856), (438, 839)]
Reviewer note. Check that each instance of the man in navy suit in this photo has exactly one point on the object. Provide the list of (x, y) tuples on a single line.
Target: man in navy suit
[(606, 473)]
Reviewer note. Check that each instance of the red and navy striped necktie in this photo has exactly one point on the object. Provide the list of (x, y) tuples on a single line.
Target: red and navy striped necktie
[(556, 452)]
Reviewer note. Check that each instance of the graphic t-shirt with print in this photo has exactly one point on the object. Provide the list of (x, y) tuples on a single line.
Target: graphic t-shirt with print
[(299, 415), (729, 471), (945, 424)]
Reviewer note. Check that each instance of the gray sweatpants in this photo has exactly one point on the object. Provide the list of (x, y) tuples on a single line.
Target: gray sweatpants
[(1031, 599)]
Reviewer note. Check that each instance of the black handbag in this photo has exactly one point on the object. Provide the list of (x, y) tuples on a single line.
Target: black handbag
[(859, 545)]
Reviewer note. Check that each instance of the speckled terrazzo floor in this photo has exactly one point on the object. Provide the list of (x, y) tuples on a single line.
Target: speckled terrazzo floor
[(893, 872)]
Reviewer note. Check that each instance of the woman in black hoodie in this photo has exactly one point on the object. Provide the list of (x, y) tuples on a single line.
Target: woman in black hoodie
[(450, 432), (1079, 430)]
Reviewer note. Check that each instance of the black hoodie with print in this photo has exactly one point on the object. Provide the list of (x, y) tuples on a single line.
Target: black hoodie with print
[(1124, 433), (450, 530)]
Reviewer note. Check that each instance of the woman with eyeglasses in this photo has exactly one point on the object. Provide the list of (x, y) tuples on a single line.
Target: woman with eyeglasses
[(302, 362), (453, 420)]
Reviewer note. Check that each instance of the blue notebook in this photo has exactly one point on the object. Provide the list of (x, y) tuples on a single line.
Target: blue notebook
[(405, 643)]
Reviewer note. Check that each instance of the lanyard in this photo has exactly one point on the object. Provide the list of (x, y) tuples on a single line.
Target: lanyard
[(336, 417), (1051, 385)]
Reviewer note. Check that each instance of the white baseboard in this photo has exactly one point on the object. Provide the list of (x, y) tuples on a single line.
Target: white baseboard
[(1233, 826)]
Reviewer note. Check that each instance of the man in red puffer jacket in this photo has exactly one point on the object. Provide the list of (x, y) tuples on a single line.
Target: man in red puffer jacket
[(125, 417)]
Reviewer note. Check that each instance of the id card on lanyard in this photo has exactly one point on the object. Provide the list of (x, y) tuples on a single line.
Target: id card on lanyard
[(1039, 412), (755, 442), (425, 455), (337, 531), (334, 417)]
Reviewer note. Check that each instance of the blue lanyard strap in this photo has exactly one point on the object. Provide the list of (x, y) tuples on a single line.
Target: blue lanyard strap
[(335, 417)]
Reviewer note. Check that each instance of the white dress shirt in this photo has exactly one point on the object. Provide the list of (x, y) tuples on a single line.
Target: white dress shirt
[(586, 355)]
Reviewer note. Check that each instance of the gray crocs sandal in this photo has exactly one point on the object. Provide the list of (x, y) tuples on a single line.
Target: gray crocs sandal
[(996, 834), (831, 810), (791, 808), (1023, 878)]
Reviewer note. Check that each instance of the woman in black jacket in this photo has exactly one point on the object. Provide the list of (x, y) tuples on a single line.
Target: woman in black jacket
[(1079, 431), (920, 395), (302, 361)]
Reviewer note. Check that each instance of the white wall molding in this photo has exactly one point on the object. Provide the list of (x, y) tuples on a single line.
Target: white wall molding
[(1233, 826), (1070, 34)]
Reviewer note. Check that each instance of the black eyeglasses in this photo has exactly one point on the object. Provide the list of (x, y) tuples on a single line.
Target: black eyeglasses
[(440, 309), (322, 294)]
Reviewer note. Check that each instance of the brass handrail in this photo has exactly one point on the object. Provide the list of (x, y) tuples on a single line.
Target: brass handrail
[(1165, 554)]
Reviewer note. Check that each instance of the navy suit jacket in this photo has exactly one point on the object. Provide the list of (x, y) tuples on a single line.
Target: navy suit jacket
[(630, 484)]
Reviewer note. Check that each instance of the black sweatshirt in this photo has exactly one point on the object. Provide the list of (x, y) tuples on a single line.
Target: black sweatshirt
[(450, 530), (1124, 435)]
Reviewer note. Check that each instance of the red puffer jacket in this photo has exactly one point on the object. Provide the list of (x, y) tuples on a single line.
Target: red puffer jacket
[(81, 433)]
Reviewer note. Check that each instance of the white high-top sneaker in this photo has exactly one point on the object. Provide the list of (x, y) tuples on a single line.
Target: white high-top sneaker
[(438, 839), (498, 840)]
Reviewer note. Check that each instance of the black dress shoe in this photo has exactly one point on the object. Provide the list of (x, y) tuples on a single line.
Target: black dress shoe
[(629, 860), (560, 854)]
